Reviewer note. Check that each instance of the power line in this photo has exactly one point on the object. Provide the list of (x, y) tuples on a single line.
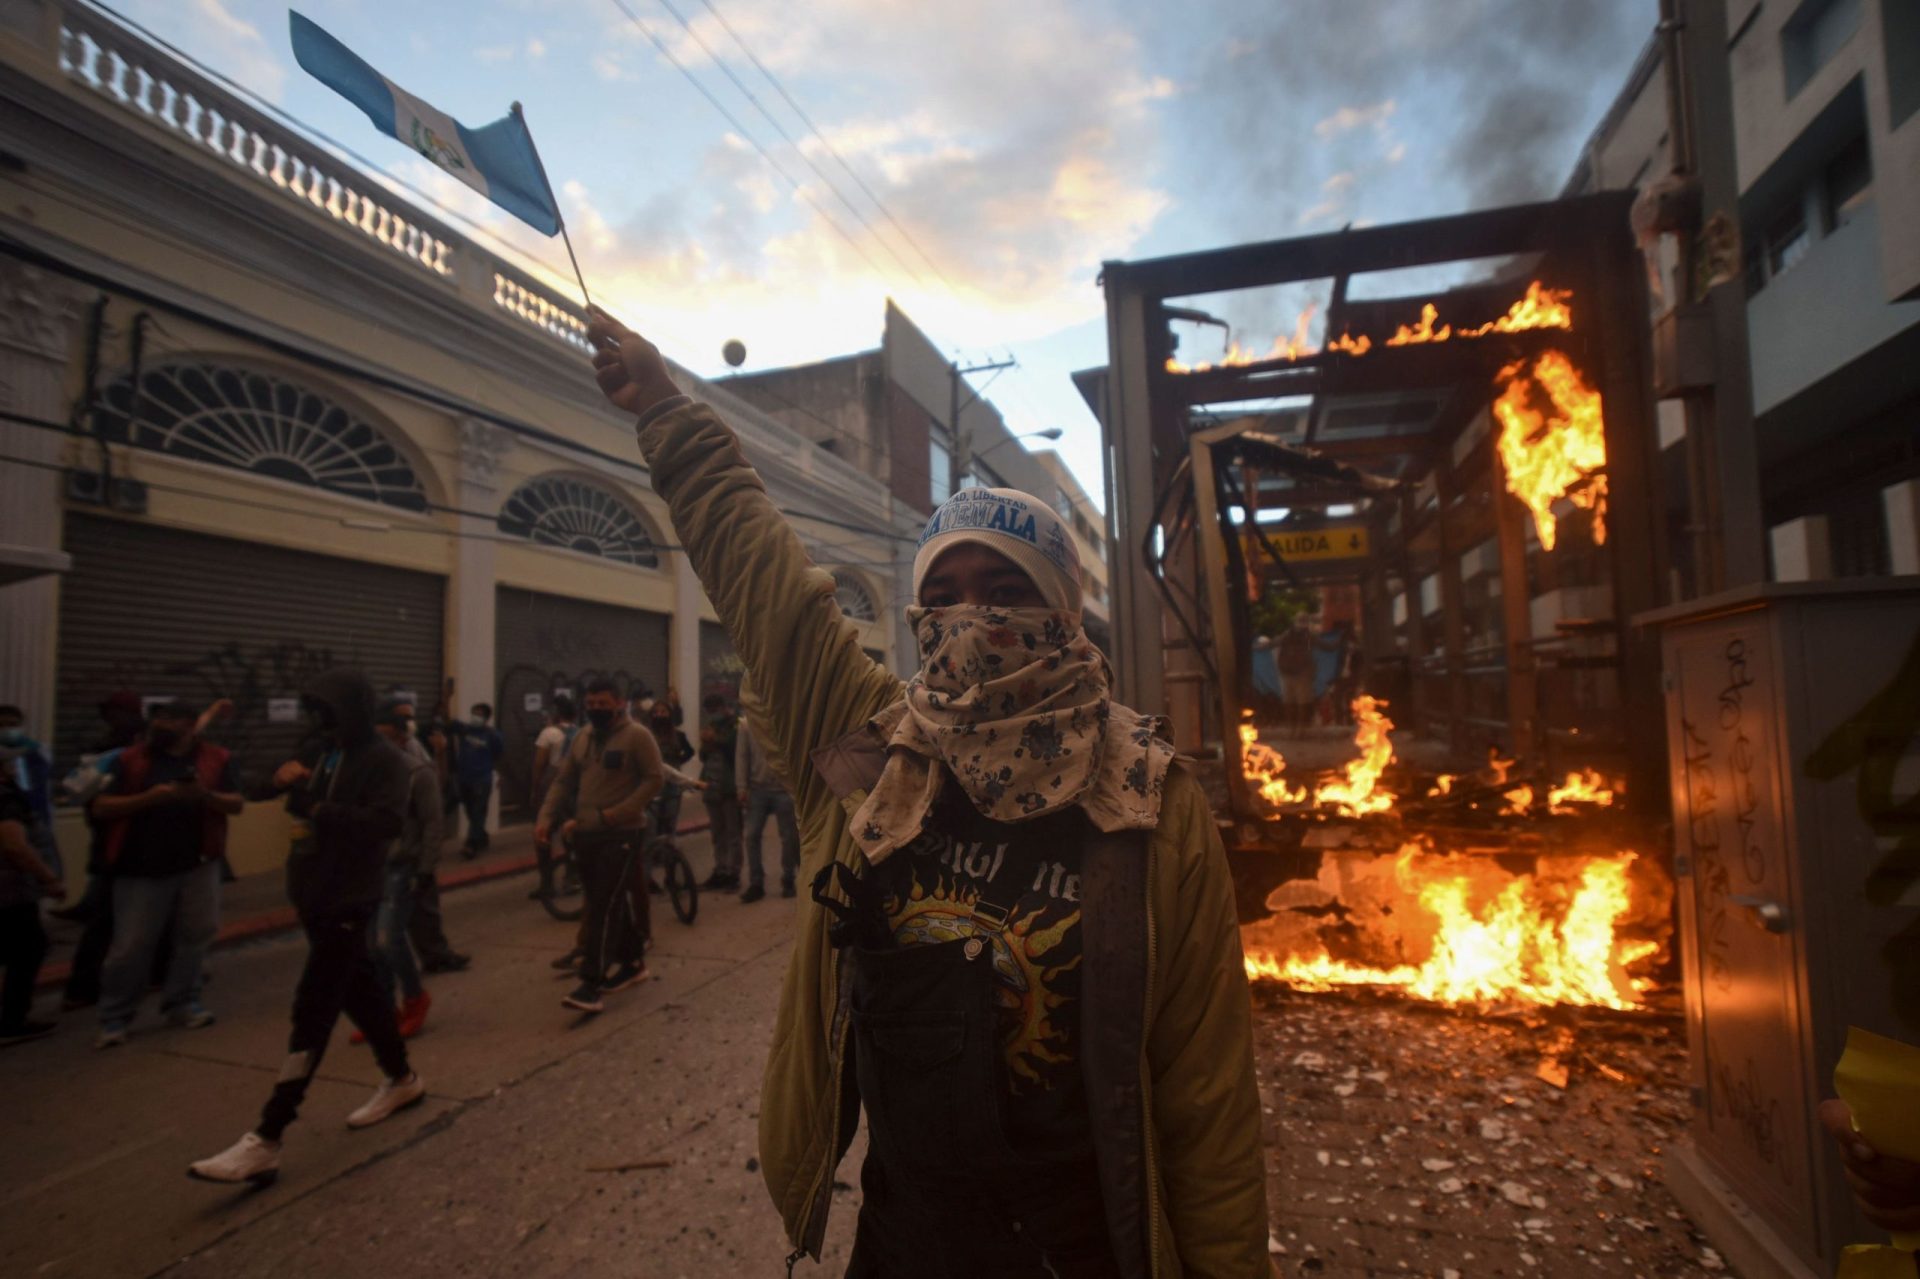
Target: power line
[(830, 149), (745, 136), (780, 129)]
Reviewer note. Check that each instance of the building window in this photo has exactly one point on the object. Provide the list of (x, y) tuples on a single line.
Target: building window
[(854, 598), (1787, 240), (1847, 184), (939, 466), (258, 422), (1810, 38), (1900, 32), (558, 510)]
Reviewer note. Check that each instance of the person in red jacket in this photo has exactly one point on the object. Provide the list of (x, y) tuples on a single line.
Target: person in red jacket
[(164, 829)]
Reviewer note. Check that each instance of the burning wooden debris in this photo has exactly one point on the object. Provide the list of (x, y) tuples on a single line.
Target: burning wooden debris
[(1486, 891)]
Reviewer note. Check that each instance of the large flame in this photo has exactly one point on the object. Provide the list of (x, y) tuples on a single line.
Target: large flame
[(1558, 452), (1525, 940), (1265, 767), (1358, 791), (1586, 787), (1541, 308)]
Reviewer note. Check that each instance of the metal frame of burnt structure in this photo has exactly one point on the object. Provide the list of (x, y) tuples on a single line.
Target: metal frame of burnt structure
[(1383, 432)]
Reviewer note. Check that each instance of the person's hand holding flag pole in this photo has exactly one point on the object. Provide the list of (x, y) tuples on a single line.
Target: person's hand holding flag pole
[(498, 160)]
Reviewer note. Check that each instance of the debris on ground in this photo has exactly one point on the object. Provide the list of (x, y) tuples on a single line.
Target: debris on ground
[(1408, 1139)]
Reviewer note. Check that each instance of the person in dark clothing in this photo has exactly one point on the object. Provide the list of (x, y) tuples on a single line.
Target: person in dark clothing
[(348, 801), (426, 925), (675, 751), (477, 749), (23, 941), (717, 741), (164, 830)]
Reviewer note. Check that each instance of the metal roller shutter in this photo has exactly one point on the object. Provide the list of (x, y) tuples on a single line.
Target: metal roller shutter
[(544, 643), (165, 612)]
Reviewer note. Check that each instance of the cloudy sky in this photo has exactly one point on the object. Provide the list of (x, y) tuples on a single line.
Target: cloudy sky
[(974, 162)]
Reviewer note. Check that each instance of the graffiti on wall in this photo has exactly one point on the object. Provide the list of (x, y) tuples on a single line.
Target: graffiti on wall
[(249, 675)]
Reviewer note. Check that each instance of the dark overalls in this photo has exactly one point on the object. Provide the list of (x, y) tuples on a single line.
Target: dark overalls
[(946, 1193)]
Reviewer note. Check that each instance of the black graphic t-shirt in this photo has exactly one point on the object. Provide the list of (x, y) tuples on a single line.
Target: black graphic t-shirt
[(1032, 869)]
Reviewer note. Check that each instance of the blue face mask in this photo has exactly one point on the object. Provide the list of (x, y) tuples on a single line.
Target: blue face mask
[(13, 736)]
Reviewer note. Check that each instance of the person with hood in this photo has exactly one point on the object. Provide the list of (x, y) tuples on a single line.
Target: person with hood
[(1022, 960), (348, 796)]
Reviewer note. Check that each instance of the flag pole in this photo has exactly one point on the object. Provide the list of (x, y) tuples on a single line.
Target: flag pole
[(559, 217)]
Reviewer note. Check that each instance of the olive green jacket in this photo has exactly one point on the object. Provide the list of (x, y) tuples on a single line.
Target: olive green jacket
[(1204, 1203)]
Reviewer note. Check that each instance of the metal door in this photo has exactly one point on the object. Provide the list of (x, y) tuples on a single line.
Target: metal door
[(163, 612), (1738, 916), (545, 644)]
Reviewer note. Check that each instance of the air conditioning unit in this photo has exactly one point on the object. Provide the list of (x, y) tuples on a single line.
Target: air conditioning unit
[(87, 487), (129, 496)]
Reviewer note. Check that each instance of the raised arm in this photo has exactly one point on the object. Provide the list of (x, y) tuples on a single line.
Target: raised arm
[(777, 606)]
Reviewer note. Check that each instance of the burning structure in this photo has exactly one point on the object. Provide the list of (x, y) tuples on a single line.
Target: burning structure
[(1462, 465), (1466, 467)]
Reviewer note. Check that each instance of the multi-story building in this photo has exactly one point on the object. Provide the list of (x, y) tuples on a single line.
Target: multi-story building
[(888, 410), (1826, 124), (268, 417)]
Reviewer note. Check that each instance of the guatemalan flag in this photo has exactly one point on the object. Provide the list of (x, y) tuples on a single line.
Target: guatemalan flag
[(498, 161)]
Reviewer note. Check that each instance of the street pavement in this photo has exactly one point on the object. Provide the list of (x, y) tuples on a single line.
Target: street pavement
[(504, 1170)]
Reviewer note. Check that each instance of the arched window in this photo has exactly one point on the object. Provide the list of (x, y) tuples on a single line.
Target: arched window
[(854, 599), (559, 510), (259, 422)]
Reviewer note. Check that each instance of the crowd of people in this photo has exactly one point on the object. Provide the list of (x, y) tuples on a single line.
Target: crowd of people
[(373, 794)]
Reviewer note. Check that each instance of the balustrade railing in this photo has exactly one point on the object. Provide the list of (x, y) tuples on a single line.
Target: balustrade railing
[(126, 70)]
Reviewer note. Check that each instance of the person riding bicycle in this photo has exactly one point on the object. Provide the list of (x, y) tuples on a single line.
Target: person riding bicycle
[(610, 775)]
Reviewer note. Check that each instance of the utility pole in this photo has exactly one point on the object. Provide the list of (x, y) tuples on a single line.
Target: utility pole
[(962, 447), (1723, 465)]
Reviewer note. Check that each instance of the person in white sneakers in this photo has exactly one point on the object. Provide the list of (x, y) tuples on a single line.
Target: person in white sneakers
[(348, 799)]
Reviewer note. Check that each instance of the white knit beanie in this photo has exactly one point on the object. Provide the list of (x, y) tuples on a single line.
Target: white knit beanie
[(1011, 523)]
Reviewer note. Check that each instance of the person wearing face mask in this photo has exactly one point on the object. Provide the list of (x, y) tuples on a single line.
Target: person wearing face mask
[(1021, 960), (347, 794), (477, 750), (163, 816), (608, 779), (32, 772)]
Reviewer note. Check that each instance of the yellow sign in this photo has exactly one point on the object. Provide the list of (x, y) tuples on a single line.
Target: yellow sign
[(1333, 542)]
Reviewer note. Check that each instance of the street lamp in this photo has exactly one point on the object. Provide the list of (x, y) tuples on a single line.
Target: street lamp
[(964, 457)]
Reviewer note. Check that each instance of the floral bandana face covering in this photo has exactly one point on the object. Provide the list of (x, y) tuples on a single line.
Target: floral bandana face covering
[(1014, 702)]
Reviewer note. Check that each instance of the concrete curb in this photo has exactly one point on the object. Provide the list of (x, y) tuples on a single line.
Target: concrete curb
[(284, 919)]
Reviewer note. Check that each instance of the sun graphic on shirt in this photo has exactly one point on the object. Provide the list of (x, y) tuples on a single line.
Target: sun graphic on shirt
[(1025, 989)]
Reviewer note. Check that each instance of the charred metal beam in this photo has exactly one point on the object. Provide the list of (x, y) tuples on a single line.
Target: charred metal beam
[(1560, 226)]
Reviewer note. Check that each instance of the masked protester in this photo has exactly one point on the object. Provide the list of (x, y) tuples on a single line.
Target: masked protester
[(348, 795), (1022, 961), (608, 779)]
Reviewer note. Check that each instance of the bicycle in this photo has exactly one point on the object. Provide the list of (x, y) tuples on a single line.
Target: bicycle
[(560, 890), (682, 890), (561, 893)]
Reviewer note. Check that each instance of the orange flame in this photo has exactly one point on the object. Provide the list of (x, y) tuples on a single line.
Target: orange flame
[(1442, 785), (1357, 794), (1264, 765), (1587, 787), (1513, 943), (1553, 454), (1541, 308), (1519, 800)]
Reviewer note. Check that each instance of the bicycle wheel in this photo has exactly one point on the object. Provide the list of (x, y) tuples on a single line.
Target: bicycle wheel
[(560, 891), (682, 890)]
